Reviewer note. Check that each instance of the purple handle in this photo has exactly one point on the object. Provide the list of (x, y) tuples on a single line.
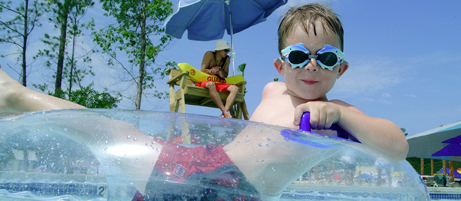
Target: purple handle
[(306, 126)]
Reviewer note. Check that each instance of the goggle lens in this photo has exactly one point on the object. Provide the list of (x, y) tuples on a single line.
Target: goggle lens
[(297, 57), (328, 58)]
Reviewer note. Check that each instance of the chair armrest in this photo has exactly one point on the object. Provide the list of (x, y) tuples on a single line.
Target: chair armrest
[(241, 86), (241, 83), (173, 80)]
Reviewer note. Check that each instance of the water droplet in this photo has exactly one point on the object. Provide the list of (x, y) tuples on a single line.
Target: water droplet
[(268, 139), (134, 139), (128, 137), (273, 169), (267, 145), (147, 144), (262, 161), (260, 144), (106, 141), (65, 129)]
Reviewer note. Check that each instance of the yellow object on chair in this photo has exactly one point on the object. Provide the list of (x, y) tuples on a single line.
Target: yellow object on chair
[(199, 76)]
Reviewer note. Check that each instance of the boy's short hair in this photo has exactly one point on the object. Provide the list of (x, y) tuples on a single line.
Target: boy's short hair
[(306, 16)]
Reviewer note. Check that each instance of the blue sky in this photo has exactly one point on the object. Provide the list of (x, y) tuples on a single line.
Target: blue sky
[(404, 56)]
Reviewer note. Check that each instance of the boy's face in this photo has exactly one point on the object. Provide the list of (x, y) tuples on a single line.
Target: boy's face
[(311, 82)]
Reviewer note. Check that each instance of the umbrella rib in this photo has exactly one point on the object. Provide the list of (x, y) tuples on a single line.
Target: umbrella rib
[(196, 13)]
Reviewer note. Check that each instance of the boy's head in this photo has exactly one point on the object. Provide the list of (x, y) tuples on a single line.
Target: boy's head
[(310, 43), (306, 17)]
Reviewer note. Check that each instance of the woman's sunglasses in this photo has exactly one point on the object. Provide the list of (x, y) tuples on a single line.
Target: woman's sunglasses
[(298, 56)]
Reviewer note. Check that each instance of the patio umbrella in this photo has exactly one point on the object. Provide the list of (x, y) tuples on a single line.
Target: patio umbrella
[(441, 143), (455, 173), (206, 20)]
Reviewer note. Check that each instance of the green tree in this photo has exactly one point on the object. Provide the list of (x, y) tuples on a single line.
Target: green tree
[(86, 96), (404, 131), (416, 163), (17, 29), (136, 22), (73, 74), (75, 68), (62, 10)]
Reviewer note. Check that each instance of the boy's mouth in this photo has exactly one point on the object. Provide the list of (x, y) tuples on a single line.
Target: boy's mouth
[(310, 82)]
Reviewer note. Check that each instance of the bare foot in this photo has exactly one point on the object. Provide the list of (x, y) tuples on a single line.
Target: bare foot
[(226, 115)]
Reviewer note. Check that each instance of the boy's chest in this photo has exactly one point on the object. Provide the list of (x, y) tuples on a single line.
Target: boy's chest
[(279, 113)]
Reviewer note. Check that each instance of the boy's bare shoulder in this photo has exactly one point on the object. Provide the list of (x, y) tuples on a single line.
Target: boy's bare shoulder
[(273, 89)]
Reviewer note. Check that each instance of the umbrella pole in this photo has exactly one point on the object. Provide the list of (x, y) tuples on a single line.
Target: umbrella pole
[(232, 37)]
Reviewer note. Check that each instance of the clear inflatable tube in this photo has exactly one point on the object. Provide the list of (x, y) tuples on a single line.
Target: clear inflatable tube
[(97, 154)]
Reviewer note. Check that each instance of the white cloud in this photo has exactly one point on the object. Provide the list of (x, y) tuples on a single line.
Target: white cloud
[(411, 95), (385, 95), (367, 76)]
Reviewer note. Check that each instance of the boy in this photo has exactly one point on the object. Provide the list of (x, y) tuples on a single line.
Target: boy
[(308, 28), (311, 40)]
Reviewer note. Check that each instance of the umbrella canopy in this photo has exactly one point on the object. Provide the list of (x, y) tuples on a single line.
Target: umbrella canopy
[(440, 143), (455, 173), (206, 20)]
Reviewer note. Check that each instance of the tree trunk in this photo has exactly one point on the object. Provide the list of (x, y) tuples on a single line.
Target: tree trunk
[(143, 55), (74, 35), (24, 45), (62, 45)]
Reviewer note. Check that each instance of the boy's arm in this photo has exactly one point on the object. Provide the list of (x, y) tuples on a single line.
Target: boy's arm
[(378, 133)]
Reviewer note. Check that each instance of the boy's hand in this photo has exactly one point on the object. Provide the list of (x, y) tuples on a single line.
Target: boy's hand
[(323, 114)]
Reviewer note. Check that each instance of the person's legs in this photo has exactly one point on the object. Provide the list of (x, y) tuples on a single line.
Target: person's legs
[(233, 90), (216, 99), (14, 97)]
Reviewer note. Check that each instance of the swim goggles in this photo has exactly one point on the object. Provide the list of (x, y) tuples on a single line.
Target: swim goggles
[(298, 56)]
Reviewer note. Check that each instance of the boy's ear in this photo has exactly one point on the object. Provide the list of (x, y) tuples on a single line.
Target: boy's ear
[(278, 64), (342, 68)]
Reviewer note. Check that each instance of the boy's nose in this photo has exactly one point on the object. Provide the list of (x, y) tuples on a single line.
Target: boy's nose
[(312, 65)]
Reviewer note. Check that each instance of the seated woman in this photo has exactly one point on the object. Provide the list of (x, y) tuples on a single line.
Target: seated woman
[(217, 63)]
